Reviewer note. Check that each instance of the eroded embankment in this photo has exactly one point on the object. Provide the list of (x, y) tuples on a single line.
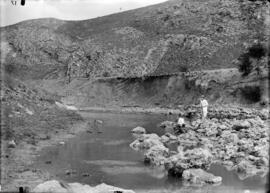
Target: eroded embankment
[(156, 91)]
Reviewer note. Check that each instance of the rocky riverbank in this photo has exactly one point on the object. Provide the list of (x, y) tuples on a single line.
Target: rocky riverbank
[(239, 142), (236, 138)]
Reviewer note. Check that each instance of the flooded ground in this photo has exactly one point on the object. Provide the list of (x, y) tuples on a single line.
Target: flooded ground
[(97, 157)]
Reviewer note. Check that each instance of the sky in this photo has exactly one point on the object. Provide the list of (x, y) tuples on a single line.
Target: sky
[(65, 9)]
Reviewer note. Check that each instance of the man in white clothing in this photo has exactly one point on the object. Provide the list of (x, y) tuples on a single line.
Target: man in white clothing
[(204, 106)]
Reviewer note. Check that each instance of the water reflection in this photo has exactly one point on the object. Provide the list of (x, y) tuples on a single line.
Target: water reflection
[(107, 157)]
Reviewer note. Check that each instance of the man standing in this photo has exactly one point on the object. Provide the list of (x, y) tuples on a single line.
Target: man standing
[(204, 106)]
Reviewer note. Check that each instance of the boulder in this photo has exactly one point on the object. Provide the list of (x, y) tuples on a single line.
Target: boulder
[(50, 187), (264, 114), (193, 158), (156, 155), (146, 141), (199, 176), (246, 168), (60, 187), (138, 130), (199, 158), (165, 139), (240, 124)]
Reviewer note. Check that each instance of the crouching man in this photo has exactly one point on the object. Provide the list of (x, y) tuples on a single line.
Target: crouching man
[(180, 124)]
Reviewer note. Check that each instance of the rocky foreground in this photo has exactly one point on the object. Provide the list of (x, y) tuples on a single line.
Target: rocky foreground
[(56, 186), (236, 138)]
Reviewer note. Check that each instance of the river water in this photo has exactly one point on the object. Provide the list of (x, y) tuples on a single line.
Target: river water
[(107, 157)]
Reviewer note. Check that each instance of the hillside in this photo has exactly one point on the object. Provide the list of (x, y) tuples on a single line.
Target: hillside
[(164, 40), (174, 36)]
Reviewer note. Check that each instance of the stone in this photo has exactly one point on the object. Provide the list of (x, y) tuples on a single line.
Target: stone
[(240, 124), (193, 158), (138, 130), (164, 139), (11, 144), (99, 121), (146, 141), (199, 176), (264, 114), (245, 167)]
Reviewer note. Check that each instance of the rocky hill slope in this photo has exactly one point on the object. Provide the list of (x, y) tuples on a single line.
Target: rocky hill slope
[(169, 38), (174, 36)]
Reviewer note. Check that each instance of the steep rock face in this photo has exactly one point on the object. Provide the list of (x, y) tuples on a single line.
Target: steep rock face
[(170, 37)]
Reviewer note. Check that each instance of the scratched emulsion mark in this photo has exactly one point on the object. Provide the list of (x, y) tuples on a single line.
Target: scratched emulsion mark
[(14, 2)]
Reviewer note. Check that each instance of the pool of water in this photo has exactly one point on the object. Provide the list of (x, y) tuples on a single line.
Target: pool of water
[(107, 158)]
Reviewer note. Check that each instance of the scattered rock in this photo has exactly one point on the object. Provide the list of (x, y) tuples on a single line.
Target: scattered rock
[(236, 138)]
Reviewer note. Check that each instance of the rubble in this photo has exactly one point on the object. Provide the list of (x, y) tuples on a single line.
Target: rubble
[(237, 139)]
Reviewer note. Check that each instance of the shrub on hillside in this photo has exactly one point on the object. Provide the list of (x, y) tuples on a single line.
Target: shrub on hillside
[(257, 51), (245, 65)]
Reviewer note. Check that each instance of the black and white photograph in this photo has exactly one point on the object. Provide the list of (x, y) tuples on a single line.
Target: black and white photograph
[(135, 96)]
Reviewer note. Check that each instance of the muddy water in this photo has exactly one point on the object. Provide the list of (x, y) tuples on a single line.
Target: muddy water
[(107, 158)]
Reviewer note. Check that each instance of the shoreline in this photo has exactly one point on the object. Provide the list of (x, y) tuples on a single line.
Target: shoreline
[(20, 160), (154, 110)]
